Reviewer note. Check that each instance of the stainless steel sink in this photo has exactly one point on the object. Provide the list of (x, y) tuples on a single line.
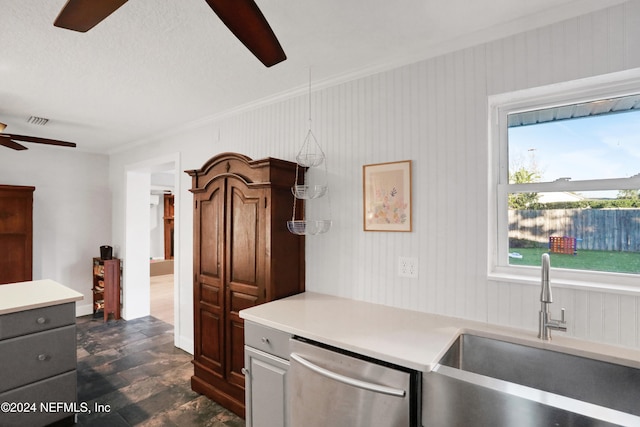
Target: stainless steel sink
[(483, 381)]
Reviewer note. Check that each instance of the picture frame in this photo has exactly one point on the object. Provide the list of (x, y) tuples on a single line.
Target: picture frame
[(387, 196)]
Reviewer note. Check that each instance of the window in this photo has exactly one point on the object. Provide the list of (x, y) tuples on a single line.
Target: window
[(566, 181)]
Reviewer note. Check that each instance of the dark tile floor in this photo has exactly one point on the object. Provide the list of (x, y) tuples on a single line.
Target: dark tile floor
[(133, 369)]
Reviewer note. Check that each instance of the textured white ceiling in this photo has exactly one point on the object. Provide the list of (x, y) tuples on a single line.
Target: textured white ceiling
[(156, 65)]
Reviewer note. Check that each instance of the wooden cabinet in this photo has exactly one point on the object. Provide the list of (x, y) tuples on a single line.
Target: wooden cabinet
[(266, 361), (243, 256), (168, 225), (38, 364), (16, 233), (106, 287)]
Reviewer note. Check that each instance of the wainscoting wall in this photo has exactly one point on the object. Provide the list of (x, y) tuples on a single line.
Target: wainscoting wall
[(435, 113)]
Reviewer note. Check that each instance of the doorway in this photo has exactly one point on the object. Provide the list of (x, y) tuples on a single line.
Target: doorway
[(137, 295), (162, 244)]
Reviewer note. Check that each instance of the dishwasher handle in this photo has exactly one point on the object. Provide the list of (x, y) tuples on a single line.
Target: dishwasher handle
[(376, 388)]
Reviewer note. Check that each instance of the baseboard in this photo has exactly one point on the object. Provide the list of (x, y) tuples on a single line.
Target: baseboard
[(84, 309)]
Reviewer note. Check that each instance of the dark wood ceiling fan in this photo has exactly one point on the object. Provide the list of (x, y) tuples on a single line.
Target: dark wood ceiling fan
[(9, 140), (242, 17)]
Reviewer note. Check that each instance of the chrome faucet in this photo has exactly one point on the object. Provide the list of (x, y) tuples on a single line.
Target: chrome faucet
[(545, 322)]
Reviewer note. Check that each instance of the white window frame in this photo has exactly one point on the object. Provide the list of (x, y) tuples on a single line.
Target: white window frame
[(590, 89)]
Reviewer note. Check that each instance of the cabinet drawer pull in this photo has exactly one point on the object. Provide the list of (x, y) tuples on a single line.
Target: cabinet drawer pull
[(244, 371), (265, 340), (43, 357), (41, 320)]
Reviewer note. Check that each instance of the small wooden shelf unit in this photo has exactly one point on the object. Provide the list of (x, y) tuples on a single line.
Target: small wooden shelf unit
[(106, 287)]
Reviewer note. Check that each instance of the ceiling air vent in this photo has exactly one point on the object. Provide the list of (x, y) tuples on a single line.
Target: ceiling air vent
[(41, 121)]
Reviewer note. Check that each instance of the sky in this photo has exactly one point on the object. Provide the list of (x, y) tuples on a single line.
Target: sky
[(599, 147)]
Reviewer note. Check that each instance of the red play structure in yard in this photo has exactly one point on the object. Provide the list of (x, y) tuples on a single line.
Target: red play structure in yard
[(563, 245)]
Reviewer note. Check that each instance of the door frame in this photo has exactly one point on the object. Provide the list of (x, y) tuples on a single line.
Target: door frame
[(136, 252)]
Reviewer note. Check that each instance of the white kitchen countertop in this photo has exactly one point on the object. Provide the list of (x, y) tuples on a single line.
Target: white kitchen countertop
[(404, 337), (22, 296)]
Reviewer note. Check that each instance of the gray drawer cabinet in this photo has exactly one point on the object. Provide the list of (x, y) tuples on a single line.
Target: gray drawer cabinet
[(38, 364), (266, 361)]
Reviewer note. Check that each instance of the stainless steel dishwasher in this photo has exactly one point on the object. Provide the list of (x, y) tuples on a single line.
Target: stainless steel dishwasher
[(332, 387)]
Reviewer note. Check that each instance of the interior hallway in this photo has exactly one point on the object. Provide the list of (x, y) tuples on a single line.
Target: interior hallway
[(162, 297)]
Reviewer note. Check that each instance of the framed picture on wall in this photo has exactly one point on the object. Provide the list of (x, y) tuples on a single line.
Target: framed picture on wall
[(387, 196)]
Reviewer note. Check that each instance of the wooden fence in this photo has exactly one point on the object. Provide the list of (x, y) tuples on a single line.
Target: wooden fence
[(595, 229)]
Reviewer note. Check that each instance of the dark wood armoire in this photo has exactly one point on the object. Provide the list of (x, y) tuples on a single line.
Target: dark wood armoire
[(16, 233), (243, 255)]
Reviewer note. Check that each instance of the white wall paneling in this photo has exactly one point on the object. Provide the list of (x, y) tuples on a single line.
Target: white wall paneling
[(433, 112)]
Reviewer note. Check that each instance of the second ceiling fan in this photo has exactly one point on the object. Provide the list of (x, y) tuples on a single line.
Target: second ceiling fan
[(242, 17), (9, 140)]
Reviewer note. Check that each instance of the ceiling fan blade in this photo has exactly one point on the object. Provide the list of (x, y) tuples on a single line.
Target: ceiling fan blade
[(83, 15), (38, 140), (248, 24), (7, 142)]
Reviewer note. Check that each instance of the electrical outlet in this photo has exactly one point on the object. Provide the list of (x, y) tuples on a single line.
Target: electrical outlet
[(408, 267)]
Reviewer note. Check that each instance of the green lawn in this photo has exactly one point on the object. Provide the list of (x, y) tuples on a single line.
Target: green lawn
[(622, 262)]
